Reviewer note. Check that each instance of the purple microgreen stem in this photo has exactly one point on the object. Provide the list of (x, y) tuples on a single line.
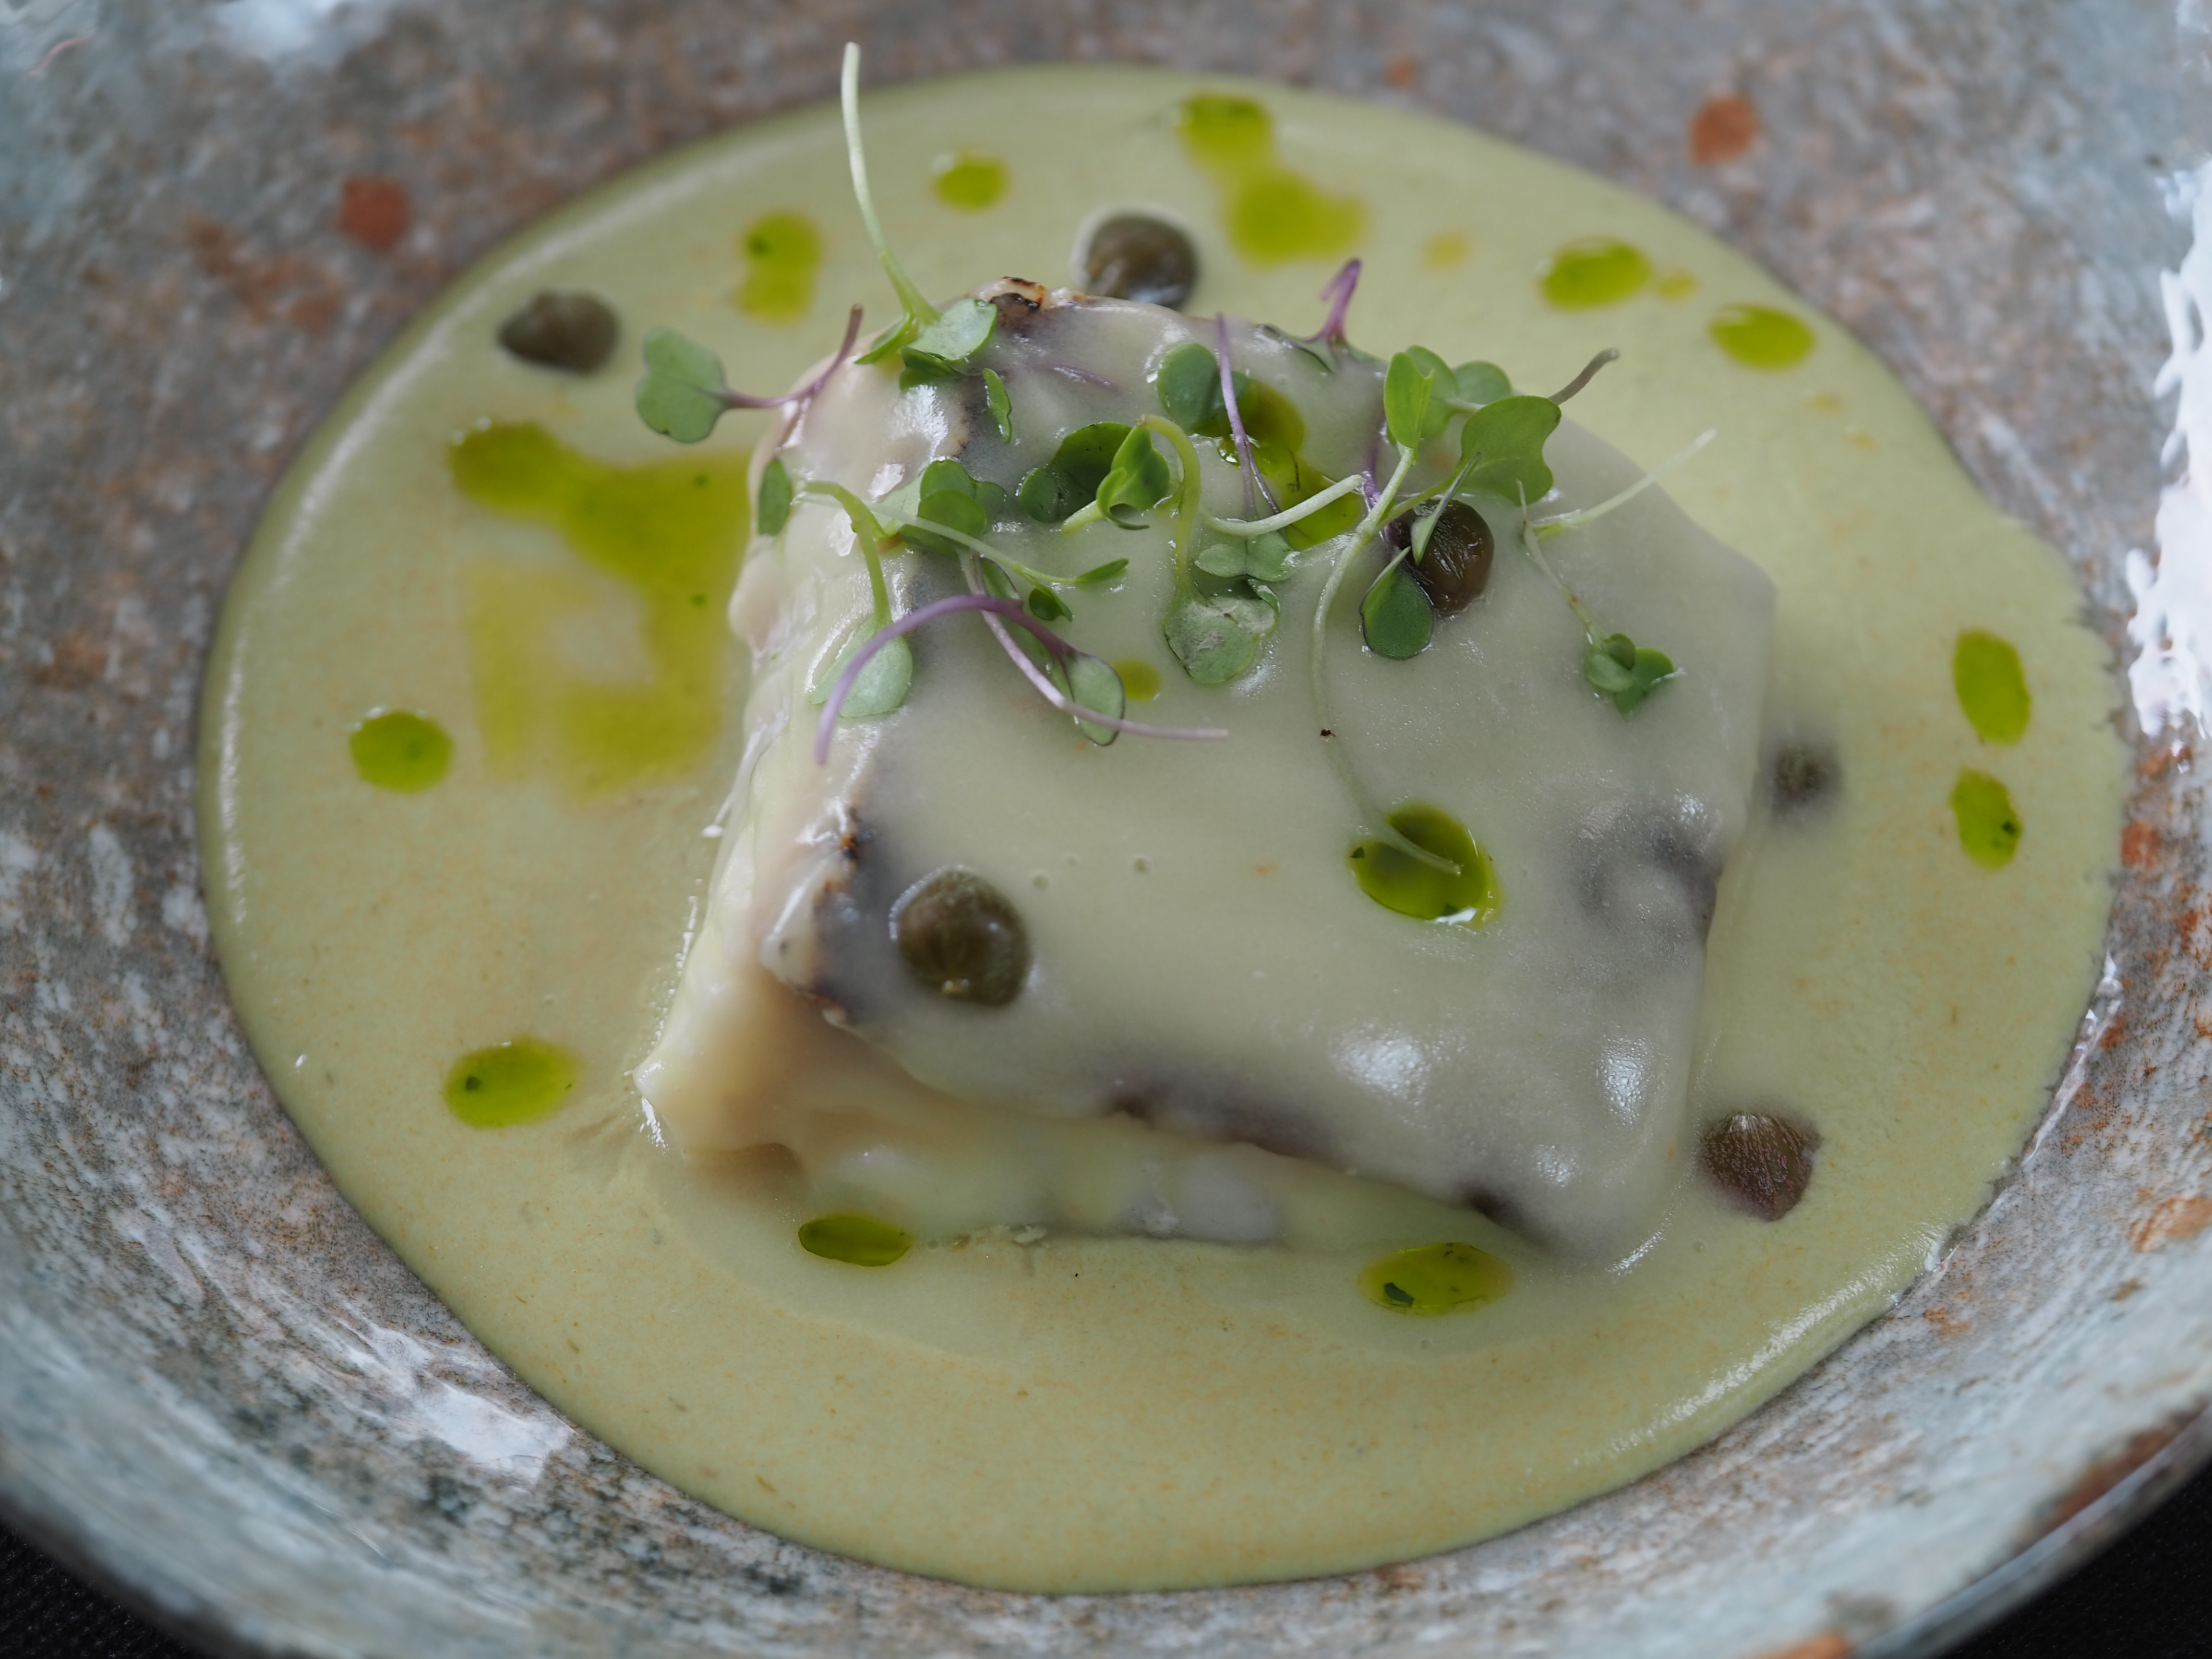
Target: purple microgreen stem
[(848, 86), (804, 394), (1590, 373), (1338, 292), (1252, 478), (1584, 515)]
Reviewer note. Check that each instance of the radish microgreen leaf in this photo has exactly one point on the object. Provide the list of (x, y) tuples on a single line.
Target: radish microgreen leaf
[(773, 510)]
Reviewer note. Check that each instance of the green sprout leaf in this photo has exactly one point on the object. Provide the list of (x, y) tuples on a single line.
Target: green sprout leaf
[(1269, 556), (1417, 391), (1502, 448), (1094, 683), (684, 391), (882, 685), (953, 509), (1216, 636), (1225, 559), (891, 340), (1481, 383), (946, 344), (1001, 405), (1407, 393), (1102, 573), (1069, 482), (1046, 606), (1138, 482), (1396, 616), (1049, 494), (773, 510), (1189, 387), (1617, 668)]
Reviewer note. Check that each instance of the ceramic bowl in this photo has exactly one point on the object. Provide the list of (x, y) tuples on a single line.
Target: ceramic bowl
[(220, 1391)]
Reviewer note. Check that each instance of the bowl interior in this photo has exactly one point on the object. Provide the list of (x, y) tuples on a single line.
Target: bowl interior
[(217, 1387)]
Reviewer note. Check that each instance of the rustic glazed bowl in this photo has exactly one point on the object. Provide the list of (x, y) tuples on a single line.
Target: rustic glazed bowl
[(220, 1391)]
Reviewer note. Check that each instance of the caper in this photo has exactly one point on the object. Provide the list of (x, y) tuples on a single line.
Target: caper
[(571, 331), (1762, 1162), (962, 937), (1134, 256), (1803, 778), (1456, 568)]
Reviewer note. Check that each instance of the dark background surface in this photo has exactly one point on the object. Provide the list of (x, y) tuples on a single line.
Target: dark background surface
[(2149, 1597)]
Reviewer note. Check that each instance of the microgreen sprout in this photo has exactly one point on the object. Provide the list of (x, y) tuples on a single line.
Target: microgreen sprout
[(1088, 673), (1000, 405), (1585, 515), (1338, 292), (685, 391), (919, 311), (1236, 416), (1610, 355), (892, 672), (1290, 515), (773, 509)]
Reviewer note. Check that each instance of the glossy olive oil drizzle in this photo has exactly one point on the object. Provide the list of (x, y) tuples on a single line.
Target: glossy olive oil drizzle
[(1989, 825), (1597, 270), (968, 180), (1985, 673), (671, 533), (511, 1084), (783, 255), (1466, 895), (1273, 214), (1433, 1280), (860, 1241), (1761, 337), (397, 750)]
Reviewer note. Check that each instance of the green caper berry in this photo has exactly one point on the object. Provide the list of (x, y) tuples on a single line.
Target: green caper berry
[(963, 938), (1134, 256), (574, 333), (1456, 568)]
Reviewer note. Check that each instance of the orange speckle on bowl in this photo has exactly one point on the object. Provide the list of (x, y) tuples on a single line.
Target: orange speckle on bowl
[(1828, 1644), (2171, 1222), (2139, 846), (1722, 129), (374, 210)]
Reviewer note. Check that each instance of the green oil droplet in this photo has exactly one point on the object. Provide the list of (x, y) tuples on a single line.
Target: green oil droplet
[(1759, 337), (968, 180), (512, 1083), (1595, 271), (1398, 881), (555, 666), (1988, 828), (400, 751), (1139, 679), (1271, 213), (783, 253), (1431, 1280), (1985, 671), (860, 1239)]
